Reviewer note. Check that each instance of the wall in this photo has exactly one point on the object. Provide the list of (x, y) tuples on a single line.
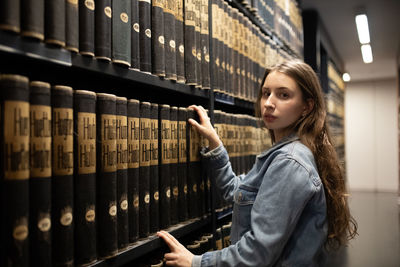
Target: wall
[(371, 134)]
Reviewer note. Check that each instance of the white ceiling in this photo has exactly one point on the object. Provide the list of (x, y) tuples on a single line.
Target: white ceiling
[(337, 16)]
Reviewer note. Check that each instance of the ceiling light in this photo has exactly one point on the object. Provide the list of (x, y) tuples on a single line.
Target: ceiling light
[(346, 77), (366, 52), (362, 28)]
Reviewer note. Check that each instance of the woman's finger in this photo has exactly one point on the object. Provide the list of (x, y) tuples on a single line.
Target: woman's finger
[(171, 237), (170, 243), (170, 256)]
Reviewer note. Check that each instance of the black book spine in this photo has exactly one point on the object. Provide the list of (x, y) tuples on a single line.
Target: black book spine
[(63, 180), (241, 56), (10, 15), (220, 18), (72, 25), (182, 164), (170, 9), (145, 35), (121, 32), (229, 62), (135, 51), (122, 172), (85, 176), (15, 174), (32, 18), (246, 54), (144, 170), (106, 183), (190, 43), (235, 58), (197, 26), (157, 38), (86, 27), (223, 9), (133, 168), (54, 22), (214, 42), (102, 34), (179, 42), (205, 46), (40, 174), (193, 167), (174, 165), (165, 175), (154, 170), (219, 129)]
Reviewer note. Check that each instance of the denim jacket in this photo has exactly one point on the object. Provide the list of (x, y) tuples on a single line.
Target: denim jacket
[(279, 208)]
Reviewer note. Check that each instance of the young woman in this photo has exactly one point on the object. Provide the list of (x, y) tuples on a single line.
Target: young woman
[(293, 200)]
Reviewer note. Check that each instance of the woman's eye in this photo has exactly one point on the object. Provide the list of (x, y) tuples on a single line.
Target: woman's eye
[(284, 95)]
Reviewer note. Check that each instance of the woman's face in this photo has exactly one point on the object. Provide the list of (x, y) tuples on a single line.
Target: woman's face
[(282, 103)]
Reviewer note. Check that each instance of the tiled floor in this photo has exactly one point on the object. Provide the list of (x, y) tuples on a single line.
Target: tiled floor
[(378, 242)]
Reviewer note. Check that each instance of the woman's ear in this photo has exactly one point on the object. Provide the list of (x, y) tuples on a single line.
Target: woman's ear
[(308, 107)]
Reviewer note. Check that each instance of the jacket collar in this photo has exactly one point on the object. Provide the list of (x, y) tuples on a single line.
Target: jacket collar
[(286, 140)]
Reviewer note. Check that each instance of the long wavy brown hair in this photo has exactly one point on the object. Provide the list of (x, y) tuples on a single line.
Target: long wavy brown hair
[(313, 132)]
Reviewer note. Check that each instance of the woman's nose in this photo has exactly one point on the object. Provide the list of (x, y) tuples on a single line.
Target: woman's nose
[(270, 103)]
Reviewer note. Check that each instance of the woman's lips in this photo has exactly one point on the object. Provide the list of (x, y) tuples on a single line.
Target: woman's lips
[(269, 118)]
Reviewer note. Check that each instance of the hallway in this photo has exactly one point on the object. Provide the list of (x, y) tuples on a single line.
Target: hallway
[(378, 242)]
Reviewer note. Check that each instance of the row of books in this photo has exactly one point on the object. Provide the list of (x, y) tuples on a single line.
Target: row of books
[(170, 39), (283, 17), (85, 175)]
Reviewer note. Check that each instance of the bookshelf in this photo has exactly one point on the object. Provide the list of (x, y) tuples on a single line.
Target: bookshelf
[(56, 65)]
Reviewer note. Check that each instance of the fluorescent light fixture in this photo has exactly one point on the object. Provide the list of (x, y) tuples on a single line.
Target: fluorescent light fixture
[(362, 28), (366, 52), (346, 77)]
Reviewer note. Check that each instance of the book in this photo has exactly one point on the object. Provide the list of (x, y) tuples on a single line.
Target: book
[(10, 15), (133, 168), (214, 45), (135, 45), (220, 22), (121, 32), (170, 9), (144, 170), (197, 26), (40, 174), (154, 170), (179, 43), (190, 42), (157, 38), (106, 180), (102, 34), (86, 27), (182, 164), (174, 165), (145, 35), (14, 134), (241, 62), (62, 189), (85, 246), (165, 175), (235, 57), (193, 167), (54, 22), (32, 19), (122, 172), (205, 46), (71, 25)]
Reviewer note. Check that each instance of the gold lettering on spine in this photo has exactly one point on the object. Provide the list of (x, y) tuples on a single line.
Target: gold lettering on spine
[(63, 141), (16, 140), (40, 141), (174, 142), (108, 143), (165, 141), (133, 142), (86, 142), (144, 142), (122, 144), (154, 142), (182, 141), (194, 145)]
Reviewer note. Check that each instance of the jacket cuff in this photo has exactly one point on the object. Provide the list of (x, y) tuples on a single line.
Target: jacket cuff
[(196, 261)]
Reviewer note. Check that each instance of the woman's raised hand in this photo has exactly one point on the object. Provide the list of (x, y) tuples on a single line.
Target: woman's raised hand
[(179, 255), (205, 127)]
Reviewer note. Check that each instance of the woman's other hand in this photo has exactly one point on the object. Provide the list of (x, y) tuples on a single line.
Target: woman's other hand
[(179, 255), (205, 127)]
